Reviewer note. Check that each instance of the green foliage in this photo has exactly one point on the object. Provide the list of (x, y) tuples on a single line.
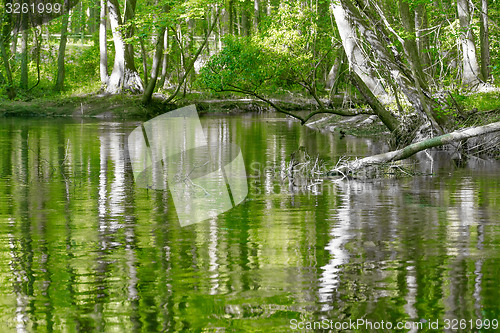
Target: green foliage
[(241, 66), (287, 51), (481, 101), (300, 36)]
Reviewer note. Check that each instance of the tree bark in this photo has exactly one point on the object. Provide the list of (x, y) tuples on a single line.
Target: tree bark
[(385, 115), (256, 15), (231, 17), (245, 19), (417, 147), (357, 60), (165, 58), (144, 60), (148, 92), (411, 50), (59, 85), (470, 67), (422, 37), (11, 93), (389, 62), (13, 45), (24, 52), (124, 76), (103, 50), (485, 42), (410, 43), (4, 37)]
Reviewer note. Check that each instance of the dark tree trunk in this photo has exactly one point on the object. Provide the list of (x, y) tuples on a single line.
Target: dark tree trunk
[(144, 60), (11, 93), (485, 42), (59, 85), (13, 45), (24, 52), (385, 115), (410, 44), (231, 17), (245, 19), (422, 37), (148, 92), (4, 37)]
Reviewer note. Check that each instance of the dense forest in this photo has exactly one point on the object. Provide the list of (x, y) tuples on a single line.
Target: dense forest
[(414, 62)]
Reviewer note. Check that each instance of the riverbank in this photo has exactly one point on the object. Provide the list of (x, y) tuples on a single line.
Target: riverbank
[(130, 106), (479, 109)]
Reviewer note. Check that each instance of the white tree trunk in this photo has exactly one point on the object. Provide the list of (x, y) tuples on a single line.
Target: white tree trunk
[(124, 76), (103, 51), (470, 67), (357, 60)]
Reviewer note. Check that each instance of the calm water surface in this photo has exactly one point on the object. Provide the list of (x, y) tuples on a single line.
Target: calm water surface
[(83, 249)]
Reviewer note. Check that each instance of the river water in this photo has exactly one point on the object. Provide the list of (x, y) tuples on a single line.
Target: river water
[(84, 249)]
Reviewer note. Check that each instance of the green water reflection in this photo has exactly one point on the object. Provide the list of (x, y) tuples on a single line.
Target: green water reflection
[(83, 249)]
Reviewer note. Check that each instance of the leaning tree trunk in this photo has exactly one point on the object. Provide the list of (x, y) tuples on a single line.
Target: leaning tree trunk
[(148, 92), (59, 85), (384, 115), (372, 25), (357, 60), (144, 55), (470, 67), (411, 50), (124, 76), (410, 43)]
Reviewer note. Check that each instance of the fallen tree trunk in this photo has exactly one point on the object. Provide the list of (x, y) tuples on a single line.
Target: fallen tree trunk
[(412, 149)]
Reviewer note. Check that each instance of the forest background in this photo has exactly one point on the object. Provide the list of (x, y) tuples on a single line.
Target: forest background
[(423, 67)]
